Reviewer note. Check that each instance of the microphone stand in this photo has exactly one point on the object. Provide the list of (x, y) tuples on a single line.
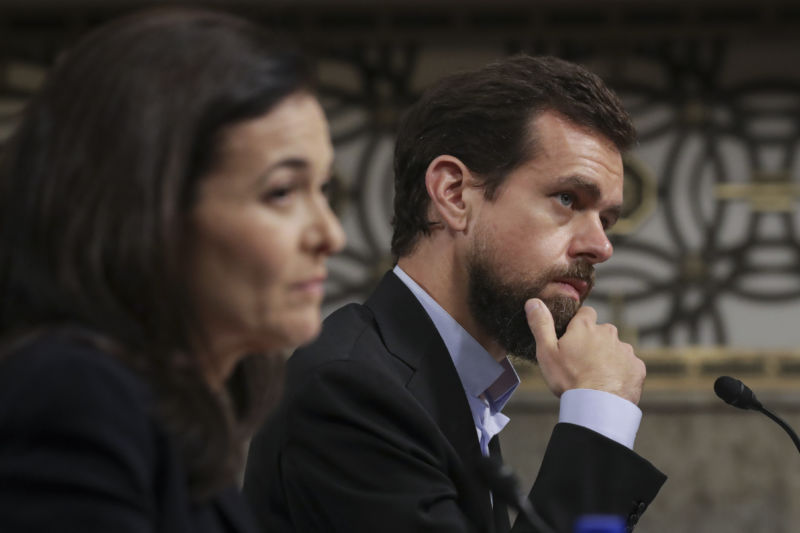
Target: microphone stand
[(733, 392), (504, 486), (782, 424)]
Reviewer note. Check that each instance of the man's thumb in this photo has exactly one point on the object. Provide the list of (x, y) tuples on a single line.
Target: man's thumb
[(540, 320)]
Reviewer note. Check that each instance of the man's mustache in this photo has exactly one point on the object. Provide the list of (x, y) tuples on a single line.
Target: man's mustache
[(582, 270)]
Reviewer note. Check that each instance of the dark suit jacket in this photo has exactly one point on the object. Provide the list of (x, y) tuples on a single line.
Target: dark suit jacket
[(374, 434), (80, 451)]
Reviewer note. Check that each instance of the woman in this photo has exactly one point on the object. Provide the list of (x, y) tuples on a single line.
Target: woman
[(163, 237)]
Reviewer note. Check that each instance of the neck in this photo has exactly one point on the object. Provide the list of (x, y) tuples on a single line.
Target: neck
[(442, 272), (218, 356)]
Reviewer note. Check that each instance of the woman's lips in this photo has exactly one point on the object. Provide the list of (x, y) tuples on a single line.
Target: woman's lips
[(314, 286)]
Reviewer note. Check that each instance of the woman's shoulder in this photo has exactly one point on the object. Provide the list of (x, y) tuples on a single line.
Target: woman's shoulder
[(60, 367), (76, 431), (59, 386)]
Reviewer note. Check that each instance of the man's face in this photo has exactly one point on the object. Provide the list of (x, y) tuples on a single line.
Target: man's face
[(543, 232)]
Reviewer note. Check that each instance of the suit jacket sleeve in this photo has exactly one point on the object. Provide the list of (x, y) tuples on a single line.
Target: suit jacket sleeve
[(76, 444), (358, 455), (584, 472)]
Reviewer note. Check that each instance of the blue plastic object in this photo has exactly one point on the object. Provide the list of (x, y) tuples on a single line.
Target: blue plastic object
[(600, 523)]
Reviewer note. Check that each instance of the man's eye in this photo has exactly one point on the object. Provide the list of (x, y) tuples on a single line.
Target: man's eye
[(566, 199)]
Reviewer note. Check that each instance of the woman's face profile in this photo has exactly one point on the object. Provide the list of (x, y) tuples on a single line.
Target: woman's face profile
[(262, 231)]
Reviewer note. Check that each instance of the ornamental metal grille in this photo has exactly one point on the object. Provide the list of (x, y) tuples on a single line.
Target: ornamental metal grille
[(706, 272)]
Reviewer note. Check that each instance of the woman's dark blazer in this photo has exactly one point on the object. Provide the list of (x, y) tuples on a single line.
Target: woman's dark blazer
[(80, 450)]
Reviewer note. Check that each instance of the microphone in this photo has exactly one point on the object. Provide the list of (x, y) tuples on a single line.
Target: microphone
[(732, 391), (504, 486)]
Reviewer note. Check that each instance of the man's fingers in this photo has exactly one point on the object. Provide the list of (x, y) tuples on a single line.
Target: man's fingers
[(540, 320), (587, 314)]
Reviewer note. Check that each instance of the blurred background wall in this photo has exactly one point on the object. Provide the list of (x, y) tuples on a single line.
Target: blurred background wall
[(706, 276)]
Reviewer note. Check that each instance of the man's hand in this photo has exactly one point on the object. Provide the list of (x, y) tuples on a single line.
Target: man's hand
[(588, 356)]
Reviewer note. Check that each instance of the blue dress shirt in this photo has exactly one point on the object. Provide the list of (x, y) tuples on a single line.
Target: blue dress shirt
[(489, 384)]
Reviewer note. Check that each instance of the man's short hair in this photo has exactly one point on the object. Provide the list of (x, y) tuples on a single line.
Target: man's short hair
[(483, 118)]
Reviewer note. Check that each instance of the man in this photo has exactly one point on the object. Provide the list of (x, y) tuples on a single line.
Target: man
[(506, 181)]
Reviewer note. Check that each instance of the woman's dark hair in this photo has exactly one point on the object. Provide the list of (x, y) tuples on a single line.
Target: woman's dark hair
[(483, 117), (96, 186)]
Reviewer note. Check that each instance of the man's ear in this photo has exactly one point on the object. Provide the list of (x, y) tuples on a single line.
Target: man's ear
[(446, 179)]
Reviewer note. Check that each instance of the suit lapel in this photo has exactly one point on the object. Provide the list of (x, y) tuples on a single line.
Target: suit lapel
[(410, 335), (234, 512)]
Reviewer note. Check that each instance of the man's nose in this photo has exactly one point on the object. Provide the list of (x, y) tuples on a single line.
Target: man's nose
[(590, 240)]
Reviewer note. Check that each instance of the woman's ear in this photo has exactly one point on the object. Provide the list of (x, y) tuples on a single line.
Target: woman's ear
[(446, 180)]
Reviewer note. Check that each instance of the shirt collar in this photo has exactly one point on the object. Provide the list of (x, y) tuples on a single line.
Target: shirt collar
[(480, 374)]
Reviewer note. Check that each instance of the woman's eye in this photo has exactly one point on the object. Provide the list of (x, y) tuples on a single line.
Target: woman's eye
[(327, 190), (278, 194), (566, 199), (330, 190)]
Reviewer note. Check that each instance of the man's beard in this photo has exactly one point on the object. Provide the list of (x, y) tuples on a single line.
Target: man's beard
[(498, 305)]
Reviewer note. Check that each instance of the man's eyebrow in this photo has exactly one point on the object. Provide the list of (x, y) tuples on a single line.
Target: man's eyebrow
[(590, 188), (579, 182)]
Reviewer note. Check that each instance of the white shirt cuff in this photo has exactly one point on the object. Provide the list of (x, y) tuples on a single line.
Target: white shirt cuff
[(603, 412)]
